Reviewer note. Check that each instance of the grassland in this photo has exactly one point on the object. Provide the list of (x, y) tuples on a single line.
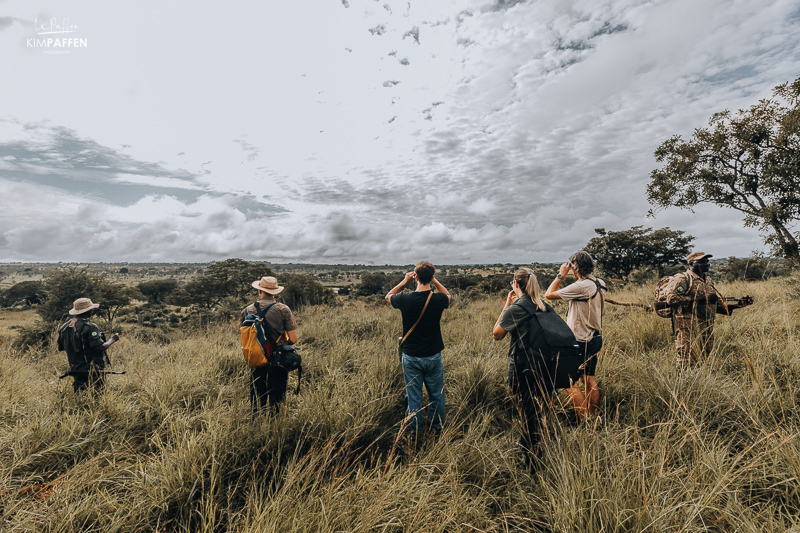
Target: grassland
[(172, 445)]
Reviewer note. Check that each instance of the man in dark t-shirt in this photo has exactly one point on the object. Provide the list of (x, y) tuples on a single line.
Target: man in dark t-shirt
[(422, 347)]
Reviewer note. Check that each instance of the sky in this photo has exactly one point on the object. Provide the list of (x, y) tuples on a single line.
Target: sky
[(364, 131)]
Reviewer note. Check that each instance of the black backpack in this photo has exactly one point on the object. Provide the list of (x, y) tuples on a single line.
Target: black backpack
[(284, 356), (553, 351), (70, 340)]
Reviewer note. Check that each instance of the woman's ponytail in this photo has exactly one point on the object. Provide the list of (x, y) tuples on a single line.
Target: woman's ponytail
[(526, 280)]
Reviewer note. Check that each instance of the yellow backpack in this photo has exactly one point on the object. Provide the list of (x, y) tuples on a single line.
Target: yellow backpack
[(256, 346)]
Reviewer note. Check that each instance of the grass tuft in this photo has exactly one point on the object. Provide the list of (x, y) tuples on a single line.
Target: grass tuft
[(172, 444)]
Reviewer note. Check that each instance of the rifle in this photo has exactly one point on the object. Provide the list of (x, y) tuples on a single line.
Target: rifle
[(86, 372), (629, 304)]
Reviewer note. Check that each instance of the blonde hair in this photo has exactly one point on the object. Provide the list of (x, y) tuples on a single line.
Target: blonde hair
[(526, 280)]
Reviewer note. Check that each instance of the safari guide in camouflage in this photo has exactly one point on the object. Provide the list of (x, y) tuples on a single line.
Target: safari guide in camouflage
[(85, 345), (695, 302)]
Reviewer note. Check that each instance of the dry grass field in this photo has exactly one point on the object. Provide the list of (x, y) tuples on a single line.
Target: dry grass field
[(172, 445), (11, 319)]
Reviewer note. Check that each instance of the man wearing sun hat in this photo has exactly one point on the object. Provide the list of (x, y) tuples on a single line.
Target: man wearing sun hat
[(269, 382), (696, 302), (85, 345)]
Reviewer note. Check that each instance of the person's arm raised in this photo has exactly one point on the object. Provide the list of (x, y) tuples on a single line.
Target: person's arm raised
[(400, 286), (498, 332), (552, 290), (439, 287)]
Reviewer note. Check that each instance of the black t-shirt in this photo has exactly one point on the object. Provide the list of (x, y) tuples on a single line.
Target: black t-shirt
[(426, 339)]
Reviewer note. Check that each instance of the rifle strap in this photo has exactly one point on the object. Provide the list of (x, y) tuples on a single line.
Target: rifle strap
[(418, 319)]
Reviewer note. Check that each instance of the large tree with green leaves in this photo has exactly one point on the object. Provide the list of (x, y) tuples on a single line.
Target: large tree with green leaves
[(748, 161), (24, 292), (619, 253), (157, 290), (231, 278), (66, 285)]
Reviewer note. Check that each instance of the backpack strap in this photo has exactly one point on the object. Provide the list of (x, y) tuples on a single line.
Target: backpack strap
[(596, 291), (79, 337), (262, 316), (527, 306), (532, 309)]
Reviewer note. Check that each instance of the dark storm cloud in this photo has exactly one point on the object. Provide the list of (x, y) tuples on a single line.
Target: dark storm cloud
[(253, 209), (57, 157), (503, 5), (342, 227), (378, 194), (91, 184)]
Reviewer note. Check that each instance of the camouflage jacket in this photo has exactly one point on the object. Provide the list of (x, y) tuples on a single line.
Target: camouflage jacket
[(682, 292)]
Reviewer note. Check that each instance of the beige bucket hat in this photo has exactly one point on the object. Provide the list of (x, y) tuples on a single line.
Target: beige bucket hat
[(267, 284), (81, 305)]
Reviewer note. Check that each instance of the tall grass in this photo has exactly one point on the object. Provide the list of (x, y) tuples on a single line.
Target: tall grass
[(172, 445)]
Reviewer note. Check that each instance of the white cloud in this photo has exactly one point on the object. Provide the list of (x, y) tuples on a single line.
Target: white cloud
[(515, 129)]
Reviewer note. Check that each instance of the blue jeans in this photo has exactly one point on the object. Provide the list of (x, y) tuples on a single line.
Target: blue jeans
[(429, 371)]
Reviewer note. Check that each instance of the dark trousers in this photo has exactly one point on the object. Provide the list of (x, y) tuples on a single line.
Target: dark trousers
[(268, 382), (91, 379), (590, 349), (528, 397)]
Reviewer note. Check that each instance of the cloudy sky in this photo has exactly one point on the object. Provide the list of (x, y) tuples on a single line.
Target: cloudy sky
[(364, 131)]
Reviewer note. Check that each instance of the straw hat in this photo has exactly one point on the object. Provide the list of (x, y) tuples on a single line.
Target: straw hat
[(81, 305), (268, 284)]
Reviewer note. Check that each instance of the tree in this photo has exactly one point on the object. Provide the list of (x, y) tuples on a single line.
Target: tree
[(748, 161), (226, 279), (373, 283), (749, 268), (66, 285), (618, 253), (157, 290), (302, 289), (25, 292)]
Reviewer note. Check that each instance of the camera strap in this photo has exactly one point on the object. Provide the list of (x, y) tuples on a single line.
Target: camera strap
[(418, 319)]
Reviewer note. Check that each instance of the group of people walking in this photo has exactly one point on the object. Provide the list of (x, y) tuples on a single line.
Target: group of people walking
[(692, 297)]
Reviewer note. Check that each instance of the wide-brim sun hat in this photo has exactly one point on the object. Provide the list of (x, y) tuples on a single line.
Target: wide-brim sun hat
[(267, 284), (82, 305)]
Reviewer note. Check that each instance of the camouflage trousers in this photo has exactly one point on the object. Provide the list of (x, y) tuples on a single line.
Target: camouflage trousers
[(685, 335)]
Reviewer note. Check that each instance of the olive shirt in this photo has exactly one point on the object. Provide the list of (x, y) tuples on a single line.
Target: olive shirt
[(80, 338), (279, 318), (585, 311)]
